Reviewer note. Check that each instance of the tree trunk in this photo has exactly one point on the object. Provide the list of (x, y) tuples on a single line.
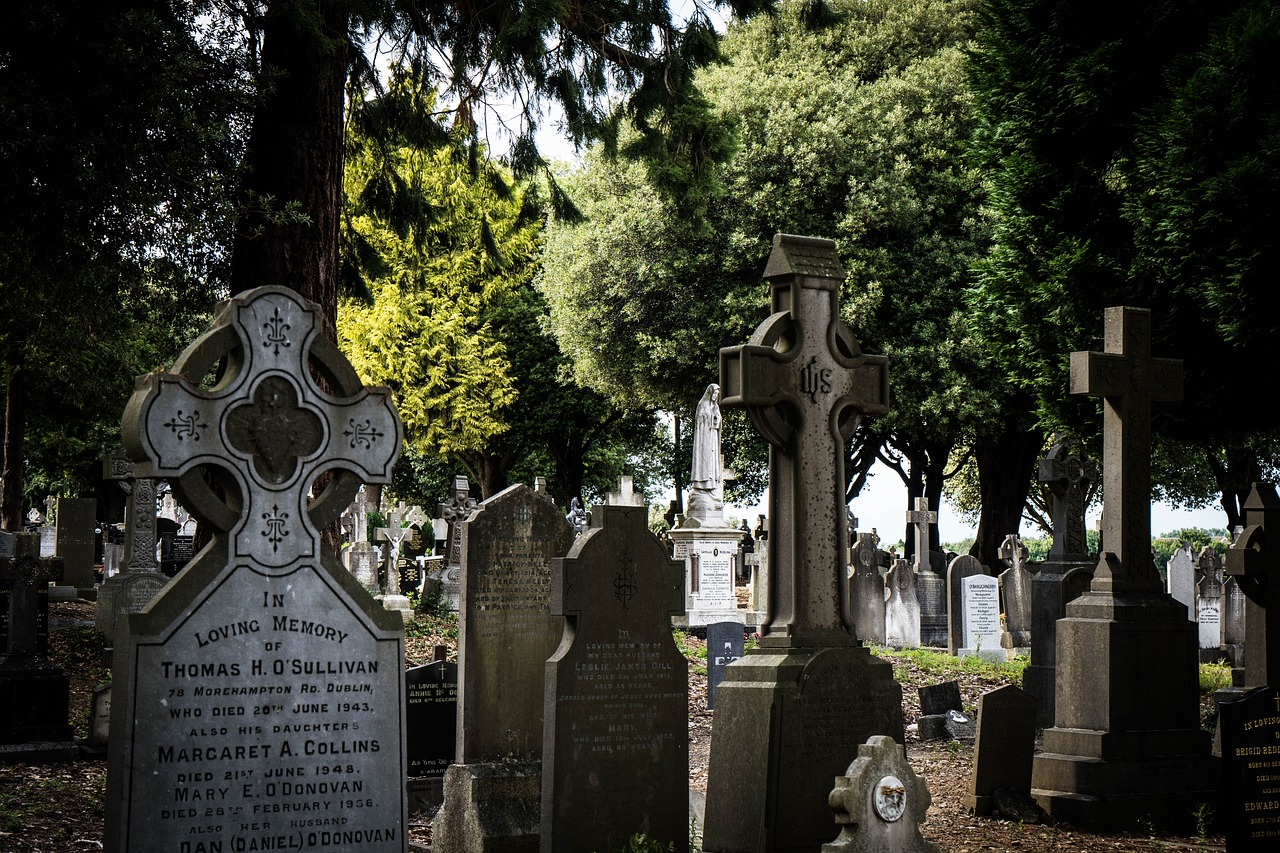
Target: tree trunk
[(927, 463), (288, 231), (1235, 479), (15, 422), (1006, 463)]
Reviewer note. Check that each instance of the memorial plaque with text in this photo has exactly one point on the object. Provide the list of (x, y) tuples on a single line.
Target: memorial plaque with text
[(1250, 729), (431, 692)]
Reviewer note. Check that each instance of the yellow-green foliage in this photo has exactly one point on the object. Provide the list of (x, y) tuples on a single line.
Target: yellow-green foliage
[(426, 335)]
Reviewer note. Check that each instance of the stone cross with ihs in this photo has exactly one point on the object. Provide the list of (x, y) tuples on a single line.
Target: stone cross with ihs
[(805, 384), (920, 518), (267, 425), (1128, 380)]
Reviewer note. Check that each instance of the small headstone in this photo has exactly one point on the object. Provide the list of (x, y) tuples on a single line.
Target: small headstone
[(75, 543), (139, 579), (1005, 745), (431, 711), (962, 567), (867, 591), (264, 665), (1015, 592), (48, 542), (1181, 579), (901, 610), (616, 741), (940, 698), (1250, 729), (724, 646), (880, 803), (95, 745)]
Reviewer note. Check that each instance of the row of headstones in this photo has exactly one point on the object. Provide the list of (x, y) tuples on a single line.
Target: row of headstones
[(1216, 604)]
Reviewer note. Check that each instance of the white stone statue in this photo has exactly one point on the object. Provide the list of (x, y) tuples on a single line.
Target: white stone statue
[(706, 484)]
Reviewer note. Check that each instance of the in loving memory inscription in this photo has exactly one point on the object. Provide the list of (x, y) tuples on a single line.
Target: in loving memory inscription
[(261, 696)]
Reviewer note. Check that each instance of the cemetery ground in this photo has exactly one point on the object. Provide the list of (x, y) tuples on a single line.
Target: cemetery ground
[(59, 807)]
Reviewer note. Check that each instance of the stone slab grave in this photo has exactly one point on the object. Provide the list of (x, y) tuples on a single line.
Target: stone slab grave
[(493, 792), (792, 712), (431, 719), (901, 609), (1209, 605), (1002, 754), (36, 694), (1066, 572), (1015, 597), (962, 567), (1180, 579), (867, 590), (615, 754), (139, 579), (1126, 748), (74, 543), (1250, 730), (980, 606), (880, 803), (725, 643), (259, 699), (931, 584)]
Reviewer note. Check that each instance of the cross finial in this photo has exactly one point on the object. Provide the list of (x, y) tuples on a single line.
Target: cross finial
[(1128, 380)]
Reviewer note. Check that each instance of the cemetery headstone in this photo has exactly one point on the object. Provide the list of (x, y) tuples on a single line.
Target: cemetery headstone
[(1015, 593), (1181, 579), (626, 494), (1250, 729), (454, 512), (33, 714), (95, 745), (75, 544), (980, 607), (1005, 745), (901, 610), (792, 712), (867, 590), (961, 567), (938, 704), (724, 646), (492, 794), (431, 717), (1069, 478), (362, 560), (1209, 606), (264, 665), (1256, 567), (615, 755), (880, 803), (1126, 746), (398, 529), (1233, 622), (931, 585), (139, 578)]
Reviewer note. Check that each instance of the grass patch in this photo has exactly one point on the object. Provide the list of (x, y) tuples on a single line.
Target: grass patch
[(1214, 676), (694, 650), (935, 662)]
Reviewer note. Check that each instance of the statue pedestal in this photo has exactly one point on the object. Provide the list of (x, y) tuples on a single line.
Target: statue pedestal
[(710, 555)]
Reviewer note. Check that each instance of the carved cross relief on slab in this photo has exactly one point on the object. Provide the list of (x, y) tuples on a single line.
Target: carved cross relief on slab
[(266, 423), (1128, 379), (805, 383)]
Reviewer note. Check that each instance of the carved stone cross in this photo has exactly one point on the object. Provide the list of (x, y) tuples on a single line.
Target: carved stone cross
[(1128, 380), (400, 522), (266, 425), (455, 511), (139, 514), (1068, 477), (921, 517), (805, 384), (1013, 552)]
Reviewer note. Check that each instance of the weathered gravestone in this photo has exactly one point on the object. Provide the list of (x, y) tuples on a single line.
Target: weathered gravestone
[(1255, 564), (901, 610), (1065, 574), (1180, 579), (75, 544), (880, 803), (1233, 623), (1250, 729), (362, 560), (399, 528), (139, 578), (1209, 605), (791, 713), (725, 643), (35, 693), (1015, 593), (980, 608), (867, 591), (507, 633), (931, 584), (1127, 746), (1004, 748), (615, 755), (962, 567), (454, 512), (264, 682), (431, 716)]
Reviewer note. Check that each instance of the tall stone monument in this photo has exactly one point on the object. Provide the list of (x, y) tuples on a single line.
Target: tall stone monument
[(74, 538), (1127, 746), (400, 523), (493, 791), (615, 748), (1068, 567), (264, 666), (792, 713), (139, 579), (1255, 565), (454, 512), (931, 584)]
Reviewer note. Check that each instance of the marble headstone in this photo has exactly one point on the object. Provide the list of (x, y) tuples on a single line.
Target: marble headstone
[(867, 591), (980, 605), (961, 567), (902, 611), (1181, 579)]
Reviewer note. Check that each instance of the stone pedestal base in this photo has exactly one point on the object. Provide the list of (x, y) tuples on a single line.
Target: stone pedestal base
[(490, 808), (398, 604), (33, 717), (788, 721), (1038, 681), (1127, 749), (931, 592)]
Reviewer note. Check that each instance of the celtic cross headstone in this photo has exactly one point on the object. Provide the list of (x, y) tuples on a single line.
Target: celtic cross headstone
[(264, 659), (454, 512), (791, 713), (1069, 478), (139, 578)]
